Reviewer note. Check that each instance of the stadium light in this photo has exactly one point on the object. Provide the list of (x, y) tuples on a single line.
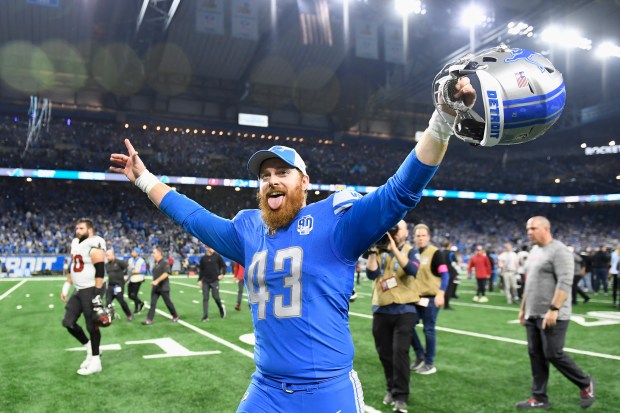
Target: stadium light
[(608, 49), (612, 143), (473, 15), (406, 7), (556, 180), (565, 38), (583, 145), (520, 29)]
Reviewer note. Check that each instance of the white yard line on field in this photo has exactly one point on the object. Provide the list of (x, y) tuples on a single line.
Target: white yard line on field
[(15, 287)]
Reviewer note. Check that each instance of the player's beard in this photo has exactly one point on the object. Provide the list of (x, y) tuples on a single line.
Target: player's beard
[(281, 217), (82, 237)]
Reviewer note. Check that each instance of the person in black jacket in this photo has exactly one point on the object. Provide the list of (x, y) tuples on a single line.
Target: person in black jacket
[(450, 258), (160, 287), (600, 269), (116, 270), (211, 270)]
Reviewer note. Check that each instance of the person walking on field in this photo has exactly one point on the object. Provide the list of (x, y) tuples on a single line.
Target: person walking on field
[(481, 264), (545, 313)]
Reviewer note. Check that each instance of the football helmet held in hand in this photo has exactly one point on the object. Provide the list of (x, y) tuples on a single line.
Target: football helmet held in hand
[(520, 96), (104, 315)]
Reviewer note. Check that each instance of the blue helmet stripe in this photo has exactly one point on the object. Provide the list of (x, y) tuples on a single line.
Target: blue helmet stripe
[(536, 110), (533, 122), (559, 89)]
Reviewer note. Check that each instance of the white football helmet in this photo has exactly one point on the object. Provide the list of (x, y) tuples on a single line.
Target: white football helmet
[(520, 95)]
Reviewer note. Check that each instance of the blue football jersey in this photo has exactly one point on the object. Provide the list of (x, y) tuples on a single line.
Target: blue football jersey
[(298, 287), (299, 279)]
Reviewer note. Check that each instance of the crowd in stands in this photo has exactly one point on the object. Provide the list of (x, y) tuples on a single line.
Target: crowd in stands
[(39, 217), (521, 169)]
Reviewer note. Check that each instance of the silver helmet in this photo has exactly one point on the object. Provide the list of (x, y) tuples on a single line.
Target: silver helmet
[(520, 96)]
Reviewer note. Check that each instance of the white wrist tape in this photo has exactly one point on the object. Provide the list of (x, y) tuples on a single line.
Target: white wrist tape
[(146, 181), (438, 128), (65, 288)]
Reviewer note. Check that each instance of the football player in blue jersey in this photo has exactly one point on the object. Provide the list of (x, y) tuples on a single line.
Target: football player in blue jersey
[(300, 262)]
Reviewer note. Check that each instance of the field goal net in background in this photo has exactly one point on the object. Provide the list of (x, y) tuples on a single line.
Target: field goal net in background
[(39, 116)]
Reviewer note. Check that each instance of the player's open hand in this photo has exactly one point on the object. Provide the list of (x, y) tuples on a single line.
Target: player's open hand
[(129, 165)]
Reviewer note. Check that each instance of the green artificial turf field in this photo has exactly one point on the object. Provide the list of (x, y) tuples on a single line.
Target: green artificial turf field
[(191, 366)]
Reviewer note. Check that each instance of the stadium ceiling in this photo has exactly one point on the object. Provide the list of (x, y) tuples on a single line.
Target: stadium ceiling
[(187, 59)]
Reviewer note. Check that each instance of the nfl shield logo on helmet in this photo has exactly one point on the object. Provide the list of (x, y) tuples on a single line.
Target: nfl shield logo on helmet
[(305, 224)]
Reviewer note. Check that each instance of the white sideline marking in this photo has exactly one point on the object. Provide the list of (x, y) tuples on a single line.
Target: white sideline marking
[(15, 287), (506, 340)]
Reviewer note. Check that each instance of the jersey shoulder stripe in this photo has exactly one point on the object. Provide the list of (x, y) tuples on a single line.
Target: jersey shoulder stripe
[(344, 200)]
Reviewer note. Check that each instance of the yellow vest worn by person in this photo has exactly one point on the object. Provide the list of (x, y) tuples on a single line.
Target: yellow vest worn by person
[(405, 290), (426, 282)]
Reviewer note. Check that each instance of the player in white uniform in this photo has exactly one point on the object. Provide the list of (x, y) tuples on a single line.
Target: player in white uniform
[(86, 274)]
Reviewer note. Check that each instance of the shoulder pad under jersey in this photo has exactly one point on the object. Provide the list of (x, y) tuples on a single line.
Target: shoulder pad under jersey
[(344, 200)]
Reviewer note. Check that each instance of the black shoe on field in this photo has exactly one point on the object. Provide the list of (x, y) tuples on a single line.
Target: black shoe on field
[(586, 396), (531, 404)]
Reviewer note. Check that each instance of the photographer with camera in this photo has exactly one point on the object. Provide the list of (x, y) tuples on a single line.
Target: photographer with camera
[(392, 265), (431, 283)]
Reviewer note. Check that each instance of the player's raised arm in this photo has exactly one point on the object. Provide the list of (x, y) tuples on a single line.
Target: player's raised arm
[(132, 167)]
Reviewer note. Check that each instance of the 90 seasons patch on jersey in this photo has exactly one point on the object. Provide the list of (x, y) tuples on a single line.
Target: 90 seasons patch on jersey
[(305, 225)]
